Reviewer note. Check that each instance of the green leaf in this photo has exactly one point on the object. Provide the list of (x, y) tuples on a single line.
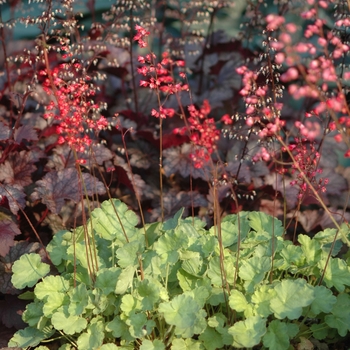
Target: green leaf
[(92, 339), (211, 339), (185, 314), (186, 344), (337, 273), (28, 270), (57, 248), (229, 233), (248, 333), (311, 249), (139, 325), (293, 257), (193, 264), (106, 222), (130, 304), (324, 300), (125, 280), (33, 313), (152, 345), (79, 299), (77, 253), (237, 301), (106, 279), (262, 299), (265, 225), (68, 324), (53, 291), (119, 329), (319, 331), (276, 337), (253, 271), (291, 296), (149, 291), (109, 346), (29, 337), (169, 245), (340, 317), (128, 254), (172, 223), (214, 270)]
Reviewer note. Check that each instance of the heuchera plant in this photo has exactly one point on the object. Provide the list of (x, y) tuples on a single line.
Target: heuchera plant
[(180, 290), (217, 107)]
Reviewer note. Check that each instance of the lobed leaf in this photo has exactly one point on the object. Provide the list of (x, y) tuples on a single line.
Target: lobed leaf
[(152, 345), (92, 339), (337, 273), (291, 296), (185, 314), (56, 187), (186, 344), (29, 337), (249, 332), (340, 316), (113, 220), (253, 271), (28, 270), (276, 337), (67, 323), (8, 230)]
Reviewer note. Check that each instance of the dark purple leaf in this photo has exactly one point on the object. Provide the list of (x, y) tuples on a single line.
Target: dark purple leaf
[(25, 132), (17, 170), (133, 181), (173, 201), (177, 160), (8, 230), (63, 157), (4, 132), (15, 197), (57, 186), (140, 158), (242, 170), (11, 309)]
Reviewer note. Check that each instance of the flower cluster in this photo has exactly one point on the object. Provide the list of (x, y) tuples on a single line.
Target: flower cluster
[(141, 35), (307, 157), (203, 133), (72, 105)]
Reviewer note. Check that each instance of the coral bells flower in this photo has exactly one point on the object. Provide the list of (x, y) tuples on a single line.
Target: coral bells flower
[(203, 133), (163, 112), (72, 106), (141, 34)]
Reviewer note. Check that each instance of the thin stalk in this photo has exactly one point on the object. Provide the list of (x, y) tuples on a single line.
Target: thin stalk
[(137, 194)]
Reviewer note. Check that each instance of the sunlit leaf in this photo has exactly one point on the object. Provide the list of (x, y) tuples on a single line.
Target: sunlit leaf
[(68, 324), (92, 339), (152, 345), (253, 271), (185, 314), (186, 344), (248, 333), (291, 296), (337, 273), (28, 270)]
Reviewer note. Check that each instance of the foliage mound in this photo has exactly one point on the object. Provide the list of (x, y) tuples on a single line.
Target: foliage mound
[(176, 285)]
